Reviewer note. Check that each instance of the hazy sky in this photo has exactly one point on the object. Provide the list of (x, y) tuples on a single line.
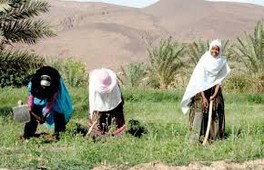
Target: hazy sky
[(146, 3), (256, 2), (128, 3)]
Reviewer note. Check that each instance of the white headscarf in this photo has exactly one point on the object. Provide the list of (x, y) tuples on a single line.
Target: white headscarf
[(208, 72), (103, 97)]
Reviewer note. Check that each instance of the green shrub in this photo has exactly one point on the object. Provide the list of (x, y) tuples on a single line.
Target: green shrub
[(239, 83), (256, 98), (132, 75), (16, 67), (72, 70), (259, 82), (5, 111)]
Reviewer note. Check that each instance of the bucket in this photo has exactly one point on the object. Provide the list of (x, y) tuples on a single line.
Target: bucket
[(21, 113)]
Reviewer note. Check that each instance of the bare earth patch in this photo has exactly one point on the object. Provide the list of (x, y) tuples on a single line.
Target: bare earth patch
[(217, 165)]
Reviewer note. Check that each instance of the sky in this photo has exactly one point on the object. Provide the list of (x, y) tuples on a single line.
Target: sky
[(256, 2), (128, 3), (146, 3)]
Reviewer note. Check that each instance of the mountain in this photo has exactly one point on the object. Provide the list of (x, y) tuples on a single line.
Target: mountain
[(104, 35)]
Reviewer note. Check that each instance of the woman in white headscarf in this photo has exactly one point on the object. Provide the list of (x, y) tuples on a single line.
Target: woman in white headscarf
[(105, 103), (205, 85)]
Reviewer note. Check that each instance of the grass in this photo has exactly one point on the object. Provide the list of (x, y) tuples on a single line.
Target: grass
[(166, 140)]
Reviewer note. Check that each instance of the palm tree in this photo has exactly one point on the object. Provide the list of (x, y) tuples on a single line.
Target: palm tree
[(196, 49), (133, 74), (250, 51), (16, 67), (165, 62), (17, 23)]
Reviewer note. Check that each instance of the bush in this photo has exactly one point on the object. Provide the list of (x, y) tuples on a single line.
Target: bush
[(259, 82), (239, 83), (16, 67), (5, 111), (132, 75), (72, 70), (256, 98)]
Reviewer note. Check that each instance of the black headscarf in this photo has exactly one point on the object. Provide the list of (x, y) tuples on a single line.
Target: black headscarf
[(49, 91)]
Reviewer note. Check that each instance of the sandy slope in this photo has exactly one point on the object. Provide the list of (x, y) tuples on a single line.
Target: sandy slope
[(110, 36)]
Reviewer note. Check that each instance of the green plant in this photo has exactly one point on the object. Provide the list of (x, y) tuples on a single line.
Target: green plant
[(18, 23), (157, 110), (256, 98), (196, 49), (17, 67), (250, 50), (133, 74), (259, 82), (165, 61), (153, 95), (72, 70), (239, 83)]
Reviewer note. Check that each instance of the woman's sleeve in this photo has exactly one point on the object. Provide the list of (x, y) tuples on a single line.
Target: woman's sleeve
[(50, 105), (30, 97)]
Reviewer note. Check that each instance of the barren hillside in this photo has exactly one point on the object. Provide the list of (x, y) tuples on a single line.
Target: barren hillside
[(110, 36)]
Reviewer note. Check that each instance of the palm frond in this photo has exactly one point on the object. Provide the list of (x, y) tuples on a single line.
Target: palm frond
[(17, 22), (133, 74), (21, 60), (196, 49), (4, 6), (26, 31), (24, 9), (165, 61), (16, 67), (251, 49)]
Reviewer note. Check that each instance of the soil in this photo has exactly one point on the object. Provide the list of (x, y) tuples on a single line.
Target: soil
[(217, 165)]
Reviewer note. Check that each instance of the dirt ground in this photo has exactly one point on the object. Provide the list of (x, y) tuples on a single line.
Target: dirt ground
[(217, 165)]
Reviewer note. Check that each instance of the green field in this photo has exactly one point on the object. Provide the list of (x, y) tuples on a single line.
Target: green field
[(166, 140)]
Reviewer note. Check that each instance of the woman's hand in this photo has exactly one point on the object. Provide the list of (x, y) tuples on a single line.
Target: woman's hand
[(205, 102), (212, 97), (217, 87), (40, 119)]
